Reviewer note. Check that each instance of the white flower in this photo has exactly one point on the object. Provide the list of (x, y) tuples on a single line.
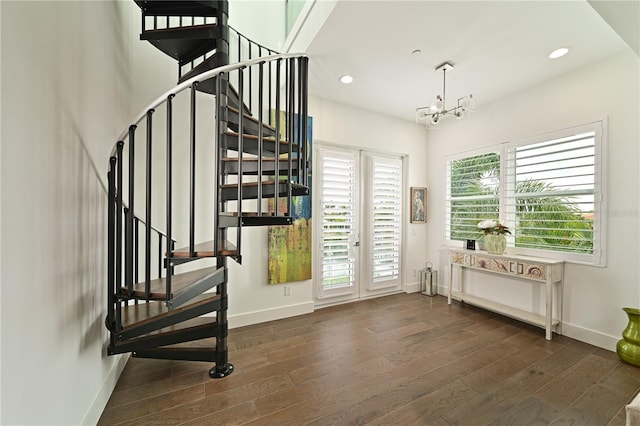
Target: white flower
[(485, 224)]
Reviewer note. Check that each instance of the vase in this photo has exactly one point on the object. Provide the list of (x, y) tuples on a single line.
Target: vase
[(629, 347), (495, 243)]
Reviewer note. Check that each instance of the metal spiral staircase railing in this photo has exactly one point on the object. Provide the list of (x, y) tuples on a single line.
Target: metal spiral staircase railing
[(223, 157)]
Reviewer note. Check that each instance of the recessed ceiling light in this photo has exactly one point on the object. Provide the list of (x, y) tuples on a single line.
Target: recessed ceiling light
[(346, 79), (416, 52), (559, 53)]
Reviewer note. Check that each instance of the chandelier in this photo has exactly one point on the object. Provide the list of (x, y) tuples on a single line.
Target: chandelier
[(431, 115)]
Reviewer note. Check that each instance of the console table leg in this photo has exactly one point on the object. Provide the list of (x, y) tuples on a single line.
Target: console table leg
[(549, 306)]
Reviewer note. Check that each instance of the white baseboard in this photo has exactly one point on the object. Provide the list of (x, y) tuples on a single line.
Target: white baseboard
[(592, 337), (411, 287), (257, 317), (96, 409)]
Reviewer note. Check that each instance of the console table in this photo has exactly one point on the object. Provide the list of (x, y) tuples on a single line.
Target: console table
[(540, 270)]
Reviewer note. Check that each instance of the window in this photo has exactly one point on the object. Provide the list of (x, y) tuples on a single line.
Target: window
[(546, 189), (473, 184)]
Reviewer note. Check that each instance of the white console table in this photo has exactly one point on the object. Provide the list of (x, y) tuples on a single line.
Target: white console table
[(544, 271)]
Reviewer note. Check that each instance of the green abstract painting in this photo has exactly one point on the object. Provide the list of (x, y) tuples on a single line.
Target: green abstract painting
[(290, 246)]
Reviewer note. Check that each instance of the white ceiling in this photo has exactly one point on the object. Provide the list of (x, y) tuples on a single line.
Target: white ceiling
[(498, 48)]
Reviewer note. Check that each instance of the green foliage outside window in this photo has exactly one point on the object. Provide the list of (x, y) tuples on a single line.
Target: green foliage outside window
[(546, 218)]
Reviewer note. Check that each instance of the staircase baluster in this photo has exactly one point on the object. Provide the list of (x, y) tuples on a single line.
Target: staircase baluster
[(136, 250), (260, 134), (147, 257), (278, 137), (128, 247), (250, 80), (239, 49), (270, 86), (302, 149), (111, 234), (119, 213), (221, 125), (160, 256), (240, 155), (192, 168), (290, 131), (305, 105), (169, 196)]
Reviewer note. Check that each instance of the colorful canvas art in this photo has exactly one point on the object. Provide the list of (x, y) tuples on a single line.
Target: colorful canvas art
[(290, 246)]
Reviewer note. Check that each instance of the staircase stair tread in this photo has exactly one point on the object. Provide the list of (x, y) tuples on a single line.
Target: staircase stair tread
[(196, 32), (253, 184), (231, 219), (189, 330), (178, 282), (179, 7), (139, 314), (269, 188), (269, 166), (255, 138), (251, 144), (205, 249), (250, 117)]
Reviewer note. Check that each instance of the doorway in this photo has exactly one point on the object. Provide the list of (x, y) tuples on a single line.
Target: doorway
[(359, 231)]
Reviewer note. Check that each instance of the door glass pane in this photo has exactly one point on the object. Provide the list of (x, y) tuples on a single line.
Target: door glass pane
[(386, 218), (339, 197)]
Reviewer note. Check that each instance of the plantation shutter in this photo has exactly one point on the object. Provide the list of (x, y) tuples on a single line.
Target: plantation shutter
[(551, 193), (473, 194), (385, 218), (338, 194)]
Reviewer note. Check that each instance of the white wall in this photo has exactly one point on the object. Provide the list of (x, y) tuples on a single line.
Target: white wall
[(249, 17), (251, 300), (593, 296), (336, 123), (68, 72)]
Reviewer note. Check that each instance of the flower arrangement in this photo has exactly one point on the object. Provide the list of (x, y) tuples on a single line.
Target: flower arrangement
[(491, 227)]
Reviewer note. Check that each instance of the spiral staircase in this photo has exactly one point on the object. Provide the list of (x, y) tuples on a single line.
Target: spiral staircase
[(223, 150)]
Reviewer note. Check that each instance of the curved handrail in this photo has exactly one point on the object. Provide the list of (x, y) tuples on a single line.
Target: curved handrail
[(201, 77)]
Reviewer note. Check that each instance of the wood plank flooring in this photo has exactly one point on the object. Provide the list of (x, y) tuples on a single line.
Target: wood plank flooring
[(405, 359)]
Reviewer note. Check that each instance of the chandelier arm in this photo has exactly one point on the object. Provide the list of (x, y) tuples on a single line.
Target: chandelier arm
[(439, 109)]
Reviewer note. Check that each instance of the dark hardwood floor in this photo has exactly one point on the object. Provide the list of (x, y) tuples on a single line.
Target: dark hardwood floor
[(406, 359)]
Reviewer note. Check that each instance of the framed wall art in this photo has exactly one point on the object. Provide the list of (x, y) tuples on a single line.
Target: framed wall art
[(418, 204)]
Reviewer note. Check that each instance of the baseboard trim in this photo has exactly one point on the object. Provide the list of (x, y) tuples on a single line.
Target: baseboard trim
[(257, 317), (592, 337), (586, 335), (109, 384), (411, 287)]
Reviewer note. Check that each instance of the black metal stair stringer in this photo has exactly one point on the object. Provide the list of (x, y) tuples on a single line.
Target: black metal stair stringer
[(180, 335), (205, 304)]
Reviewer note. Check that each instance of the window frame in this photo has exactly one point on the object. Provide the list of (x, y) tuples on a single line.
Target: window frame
[(598, 257)]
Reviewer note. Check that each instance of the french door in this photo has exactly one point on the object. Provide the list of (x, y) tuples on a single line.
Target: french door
[(359, 234)]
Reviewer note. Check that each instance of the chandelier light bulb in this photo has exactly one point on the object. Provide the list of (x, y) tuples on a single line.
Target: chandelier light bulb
[(437, 104), (438, 108)]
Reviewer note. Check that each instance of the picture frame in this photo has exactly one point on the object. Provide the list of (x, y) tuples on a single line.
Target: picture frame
[(418, 202)]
